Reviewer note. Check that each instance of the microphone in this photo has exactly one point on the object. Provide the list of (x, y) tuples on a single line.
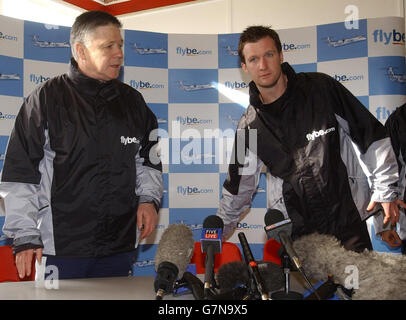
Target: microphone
[(233, 280), (211, 244), (173, 255), (371, 275), (249, 258), (194, 284), (279, 228), (272, 274), (275, 223), (231, 275), (236, 274)]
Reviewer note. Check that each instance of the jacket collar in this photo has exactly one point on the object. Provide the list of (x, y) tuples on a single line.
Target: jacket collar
[(255, 100), (92, 87)]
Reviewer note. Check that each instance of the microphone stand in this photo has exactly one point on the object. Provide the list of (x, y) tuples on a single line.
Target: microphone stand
[(286, 294)]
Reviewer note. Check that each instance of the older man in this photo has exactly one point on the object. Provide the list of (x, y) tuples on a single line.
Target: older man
[(80, 174)]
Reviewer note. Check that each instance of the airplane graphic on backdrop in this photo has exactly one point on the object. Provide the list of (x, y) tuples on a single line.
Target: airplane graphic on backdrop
[(344, 42), (192, 227), (395, 77), (161, 120), (197, 157), (231, 52), (149, 50), (145, 263), (49, 44), (195, 87), (9, 76), (233, 121)]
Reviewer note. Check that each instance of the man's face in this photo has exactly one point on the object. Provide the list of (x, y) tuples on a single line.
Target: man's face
[(103, 53), (263, 62)]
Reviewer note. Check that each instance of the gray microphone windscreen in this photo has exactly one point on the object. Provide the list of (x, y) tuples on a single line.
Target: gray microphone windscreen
[(176, 246), (373, 275)]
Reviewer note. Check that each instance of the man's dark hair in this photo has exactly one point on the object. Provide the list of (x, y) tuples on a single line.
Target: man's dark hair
[(254, 34), (87, 22)]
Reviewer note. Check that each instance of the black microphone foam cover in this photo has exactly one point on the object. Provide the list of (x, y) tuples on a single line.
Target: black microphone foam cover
[(272, 274), (273, 216), (231, 275), (214, 222)]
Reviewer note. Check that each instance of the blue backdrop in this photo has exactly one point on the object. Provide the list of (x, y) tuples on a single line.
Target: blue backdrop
[(195, 86)]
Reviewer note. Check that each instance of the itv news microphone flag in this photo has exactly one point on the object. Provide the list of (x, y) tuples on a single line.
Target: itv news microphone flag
[(196, 88)]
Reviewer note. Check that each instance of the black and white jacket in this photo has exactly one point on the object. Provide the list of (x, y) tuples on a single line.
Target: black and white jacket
[(327, 155), (80, 158)]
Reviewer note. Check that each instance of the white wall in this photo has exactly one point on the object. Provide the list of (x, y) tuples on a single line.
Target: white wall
[(232, 16), (213, 16), (47, 11)]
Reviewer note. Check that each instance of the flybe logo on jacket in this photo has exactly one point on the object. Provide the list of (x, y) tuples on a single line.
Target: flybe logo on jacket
[(128, 140), (316, 134)]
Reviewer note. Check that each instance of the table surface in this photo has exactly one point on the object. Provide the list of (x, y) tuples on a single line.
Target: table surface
[(115, 288)]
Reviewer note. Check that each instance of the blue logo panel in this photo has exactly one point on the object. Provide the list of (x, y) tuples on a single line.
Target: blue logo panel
[(229, 115), (145, 260), (11, 76), (335, 41), (165, 197), (387, 75), (364, 100), (193, 218), (146, 49), (193, 85), (305, 67), (161, 112), (193, 155), (228, 50), (46, 43)]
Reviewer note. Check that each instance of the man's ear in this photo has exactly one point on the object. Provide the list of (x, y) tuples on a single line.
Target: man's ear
[(244, 66), (80, 50)]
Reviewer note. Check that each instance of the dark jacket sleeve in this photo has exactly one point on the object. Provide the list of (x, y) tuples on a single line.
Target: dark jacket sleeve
[(21, 176)]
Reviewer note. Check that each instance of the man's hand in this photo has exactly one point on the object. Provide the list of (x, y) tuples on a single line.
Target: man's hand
[(391, 237), (24, 261), (391, 210), (147, 219)]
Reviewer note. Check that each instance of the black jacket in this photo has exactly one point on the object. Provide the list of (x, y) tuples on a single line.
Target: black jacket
[(313, 140), (77, 164)]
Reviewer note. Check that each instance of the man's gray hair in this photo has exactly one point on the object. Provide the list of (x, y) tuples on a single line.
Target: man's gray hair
[(86, 23)]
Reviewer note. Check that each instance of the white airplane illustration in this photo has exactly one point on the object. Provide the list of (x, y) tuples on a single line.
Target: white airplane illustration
[(199, 156), (191, 226), (195, 87), (401, 78), (9, 76), (231, 52), (343, 42), (49, 44), (145, 263), (149, 50), (233, 121), (160, 120)]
